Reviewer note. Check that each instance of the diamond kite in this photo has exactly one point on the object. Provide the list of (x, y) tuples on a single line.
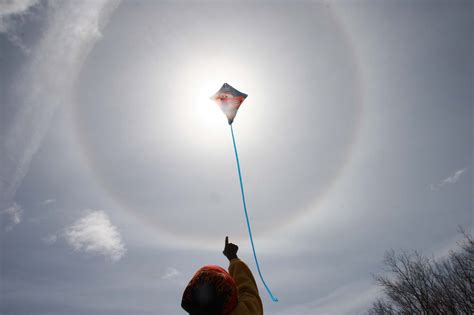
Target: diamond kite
[(229, 100)]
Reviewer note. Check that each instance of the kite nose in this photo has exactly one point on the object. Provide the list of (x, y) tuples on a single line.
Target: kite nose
[(230, 120)]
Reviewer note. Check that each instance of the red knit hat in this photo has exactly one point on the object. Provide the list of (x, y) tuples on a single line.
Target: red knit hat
[(211, 291)]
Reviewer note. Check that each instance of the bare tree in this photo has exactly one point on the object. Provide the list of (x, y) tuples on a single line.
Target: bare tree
[(416, 284)]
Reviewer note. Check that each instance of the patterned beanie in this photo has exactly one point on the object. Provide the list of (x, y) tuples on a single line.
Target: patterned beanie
[(211, 291)]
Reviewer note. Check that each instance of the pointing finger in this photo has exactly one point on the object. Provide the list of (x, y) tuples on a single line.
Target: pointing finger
[(226, 240)]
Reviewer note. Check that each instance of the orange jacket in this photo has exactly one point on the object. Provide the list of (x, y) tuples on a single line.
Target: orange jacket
[(248, 301)]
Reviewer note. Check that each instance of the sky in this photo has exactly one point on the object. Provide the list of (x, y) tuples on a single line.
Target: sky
[(117, 173)]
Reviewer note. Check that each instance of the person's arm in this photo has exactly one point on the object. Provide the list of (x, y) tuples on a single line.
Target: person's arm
[(249, 302)]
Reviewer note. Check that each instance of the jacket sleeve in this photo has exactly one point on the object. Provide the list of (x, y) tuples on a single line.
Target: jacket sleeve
[(248, 302)]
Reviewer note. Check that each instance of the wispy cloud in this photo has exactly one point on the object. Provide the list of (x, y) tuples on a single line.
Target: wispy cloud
[(353, 298), (13, 213), (10, 9), (95, 234), (452, 179), (12, 16), (50, 239), (170, 273), (48, 202), (44, 80)]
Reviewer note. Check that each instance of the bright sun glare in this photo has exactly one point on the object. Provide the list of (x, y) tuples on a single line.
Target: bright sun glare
[(199, 119)]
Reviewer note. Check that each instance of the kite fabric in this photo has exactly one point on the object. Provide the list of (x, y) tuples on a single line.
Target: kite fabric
[(229, 100)]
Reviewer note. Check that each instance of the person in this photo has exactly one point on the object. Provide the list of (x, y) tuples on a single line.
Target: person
[(214, 291)]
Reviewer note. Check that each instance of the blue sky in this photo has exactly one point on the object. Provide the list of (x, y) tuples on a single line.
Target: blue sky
[(118, 178)]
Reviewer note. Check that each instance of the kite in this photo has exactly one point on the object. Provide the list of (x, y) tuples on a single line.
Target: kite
[(229, 100)]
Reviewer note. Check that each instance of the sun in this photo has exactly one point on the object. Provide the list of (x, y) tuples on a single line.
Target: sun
[(198, 119), (206, 112)]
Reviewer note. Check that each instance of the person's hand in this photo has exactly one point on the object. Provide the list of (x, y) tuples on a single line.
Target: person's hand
[(230, 250)]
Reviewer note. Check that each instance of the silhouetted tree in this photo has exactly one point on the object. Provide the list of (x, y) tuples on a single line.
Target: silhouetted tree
[(416, 284)]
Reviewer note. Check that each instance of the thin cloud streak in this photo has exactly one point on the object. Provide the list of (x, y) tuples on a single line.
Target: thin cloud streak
[(350, 299), (170, 273), (8, 9), (450, 180), (50, 239), (45, 82), (48, 202), (14, 215)]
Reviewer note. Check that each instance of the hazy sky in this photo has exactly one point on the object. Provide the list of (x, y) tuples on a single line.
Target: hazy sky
[(118, 178)]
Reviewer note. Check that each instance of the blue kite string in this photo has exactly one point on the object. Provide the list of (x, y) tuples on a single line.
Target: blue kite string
[(274, 298)]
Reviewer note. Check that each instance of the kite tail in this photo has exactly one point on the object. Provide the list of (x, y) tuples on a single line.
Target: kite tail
[(274, 298)]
